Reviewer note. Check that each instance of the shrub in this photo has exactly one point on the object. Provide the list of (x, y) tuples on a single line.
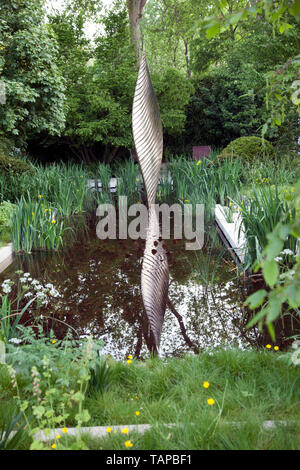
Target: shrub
[(6, 211), (6, 145), (249, 148), (12, 165)]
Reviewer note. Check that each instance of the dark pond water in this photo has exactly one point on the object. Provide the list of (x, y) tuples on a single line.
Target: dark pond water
[(100, 286)]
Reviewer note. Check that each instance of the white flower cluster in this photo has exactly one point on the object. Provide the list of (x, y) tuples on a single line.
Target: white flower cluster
[(6, 286), (33, 288), (286, 252), (15, 340)]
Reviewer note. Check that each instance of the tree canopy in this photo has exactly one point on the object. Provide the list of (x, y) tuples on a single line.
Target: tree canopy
[(34, 85), (221, 69)]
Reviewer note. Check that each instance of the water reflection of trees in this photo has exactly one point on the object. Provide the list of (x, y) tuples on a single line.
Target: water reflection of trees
[(100, 284)]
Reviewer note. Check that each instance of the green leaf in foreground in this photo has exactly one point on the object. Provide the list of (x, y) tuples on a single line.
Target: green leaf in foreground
[(270, 272), (256, 299)]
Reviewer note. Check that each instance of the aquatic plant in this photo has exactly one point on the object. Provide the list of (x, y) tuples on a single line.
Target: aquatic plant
[(260, 214), (206, 181), (129, 182), (36, 224)]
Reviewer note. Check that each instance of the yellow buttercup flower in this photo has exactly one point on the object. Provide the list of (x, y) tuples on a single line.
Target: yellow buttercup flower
[(125, 430), (137, 413), (276, 348), (58, 436), (53, 221), (64, 430), (211, 401), (108, 429), (54, 341), (199, 162), (53, 446), (268, 346), (205, 384), (129, 361), (128, 444), (129, 357)]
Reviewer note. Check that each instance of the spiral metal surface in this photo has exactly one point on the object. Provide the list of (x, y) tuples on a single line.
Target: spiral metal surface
[(148, 139)]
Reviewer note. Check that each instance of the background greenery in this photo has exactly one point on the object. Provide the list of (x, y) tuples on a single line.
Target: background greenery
[(221, 70)]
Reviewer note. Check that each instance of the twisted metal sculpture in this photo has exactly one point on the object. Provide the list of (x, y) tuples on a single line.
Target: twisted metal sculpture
[(148, 139)]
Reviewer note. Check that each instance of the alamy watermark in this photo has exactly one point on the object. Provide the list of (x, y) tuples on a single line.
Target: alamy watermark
[(185, 224)]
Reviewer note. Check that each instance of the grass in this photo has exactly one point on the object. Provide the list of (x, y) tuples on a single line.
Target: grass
[(248, 387), (172, 390)]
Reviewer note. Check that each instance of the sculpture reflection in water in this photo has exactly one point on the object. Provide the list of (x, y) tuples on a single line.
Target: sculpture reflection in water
[(148, 139)]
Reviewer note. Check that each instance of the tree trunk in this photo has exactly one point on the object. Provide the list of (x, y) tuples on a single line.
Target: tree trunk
[(106, 152), (135, 8), (187, 60), (112, 154), (174, 58)]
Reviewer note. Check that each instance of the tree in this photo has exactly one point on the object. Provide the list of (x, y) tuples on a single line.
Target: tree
[(168, 25), (102, 81), (33, 84), (230, 83), (283, 87), (135, 9)]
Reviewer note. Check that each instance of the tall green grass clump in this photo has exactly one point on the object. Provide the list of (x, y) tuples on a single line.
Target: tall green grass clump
[(206, 181), (129, 182), (36, 225), (260, 214), (104, 174)]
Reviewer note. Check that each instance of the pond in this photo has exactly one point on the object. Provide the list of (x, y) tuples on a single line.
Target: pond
[(99, 281)]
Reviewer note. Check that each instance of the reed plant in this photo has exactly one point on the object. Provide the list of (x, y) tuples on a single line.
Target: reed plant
[(35, 225), (285, 170), (104, 195), (165, 193), (260, 214), (206, 181), (129, 182)]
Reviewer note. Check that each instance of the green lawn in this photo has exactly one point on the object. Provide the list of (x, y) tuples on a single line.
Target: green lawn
[(248, 387)]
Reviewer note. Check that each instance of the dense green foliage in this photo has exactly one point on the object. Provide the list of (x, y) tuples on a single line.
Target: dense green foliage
[(249, 148), (220, 111), (220, 70), (6, 211), (14, 166), (29, 72)]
